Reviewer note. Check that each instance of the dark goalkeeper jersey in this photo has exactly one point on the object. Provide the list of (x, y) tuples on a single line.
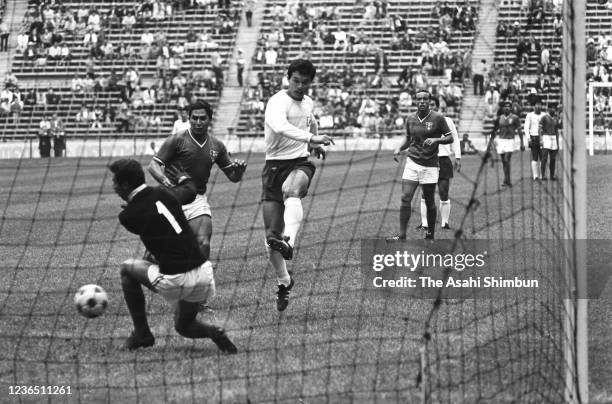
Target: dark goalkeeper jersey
[(433, 126), (155, 214)]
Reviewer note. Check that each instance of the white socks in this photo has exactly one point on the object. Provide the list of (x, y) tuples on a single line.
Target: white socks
[(444, 212), (423, 213), (279, 265), (535, 169), (293, 218)]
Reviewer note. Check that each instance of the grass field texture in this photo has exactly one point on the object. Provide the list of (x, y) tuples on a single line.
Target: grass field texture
[(337, 342)]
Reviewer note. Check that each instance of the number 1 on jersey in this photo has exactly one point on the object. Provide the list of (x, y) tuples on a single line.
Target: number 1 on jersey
[(163, 210)]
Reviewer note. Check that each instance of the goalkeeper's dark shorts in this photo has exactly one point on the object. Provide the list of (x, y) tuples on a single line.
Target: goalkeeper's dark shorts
[(275, 172)]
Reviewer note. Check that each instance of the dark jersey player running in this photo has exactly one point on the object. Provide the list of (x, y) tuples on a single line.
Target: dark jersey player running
[(196, 151), (425, 130), (183, 276)]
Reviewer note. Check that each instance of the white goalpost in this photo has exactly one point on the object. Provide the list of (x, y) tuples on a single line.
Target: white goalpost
[(574, 208), (607, 138)]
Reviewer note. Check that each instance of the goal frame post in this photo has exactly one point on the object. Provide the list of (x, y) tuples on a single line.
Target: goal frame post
[(574, 209)]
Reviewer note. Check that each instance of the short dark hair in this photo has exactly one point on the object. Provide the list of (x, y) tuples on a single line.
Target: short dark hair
[(302, 66), (200, 104), (128, 171)]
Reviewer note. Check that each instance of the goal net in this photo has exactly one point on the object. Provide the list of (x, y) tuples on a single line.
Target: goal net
[(339, 340)]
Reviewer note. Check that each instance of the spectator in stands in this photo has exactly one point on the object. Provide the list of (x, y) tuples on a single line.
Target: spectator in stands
[(52, 97), (182, 122), (240, 62), (599, 123), (123, 120), (249, 7), (480, 70), (44, 137), (108, 113), (502, 29), (542, 84), (4, 36), (58, 134), (128, 22), (466, 145)]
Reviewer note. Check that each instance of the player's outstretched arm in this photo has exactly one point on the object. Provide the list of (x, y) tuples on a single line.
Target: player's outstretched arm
[(235, 170), (156, 169), (185, 189), (322, 139)]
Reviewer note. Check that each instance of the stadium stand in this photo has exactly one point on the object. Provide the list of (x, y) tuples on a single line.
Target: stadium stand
[(370, 59), (101, 54), (527, 58), (599, 59)]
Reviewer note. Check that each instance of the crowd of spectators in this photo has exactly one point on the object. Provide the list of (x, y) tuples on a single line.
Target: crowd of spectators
[(508, 81), (343, 96), (11, 99), (344, 100), (56, 32)]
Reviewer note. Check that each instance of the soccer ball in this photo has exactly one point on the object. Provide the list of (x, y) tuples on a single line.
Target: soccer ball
[(91, 301)]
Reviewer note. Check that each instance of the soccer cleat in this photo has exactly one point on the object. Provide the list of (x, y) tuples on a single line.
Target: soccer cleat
[(134, 342), (544, 179), (446, 227), (222, 341), (397, 237), (421, 227), (282, 300), (281, 245), (429, 236), (554, 178)]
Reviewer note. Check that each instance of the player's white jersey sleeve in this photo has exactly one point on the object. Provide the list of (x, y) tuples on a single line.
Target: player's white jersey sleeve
[(287, 127), (455, 147), (532, 122)]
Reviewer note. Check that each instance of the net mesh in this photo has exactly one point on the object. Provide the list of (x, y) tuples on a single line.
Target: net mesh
[(337, 341)]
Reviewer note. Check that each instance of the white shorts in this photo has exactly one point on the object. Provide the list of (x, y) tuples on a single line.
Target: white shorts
[(421, 174), (549, 142), (504, 145), (198, 207), (197, 285)]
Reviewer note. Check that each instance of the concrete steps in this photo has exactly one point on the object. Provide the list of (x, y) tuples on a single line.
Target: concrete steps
[(14, 17), (473, 108), (228, 109)]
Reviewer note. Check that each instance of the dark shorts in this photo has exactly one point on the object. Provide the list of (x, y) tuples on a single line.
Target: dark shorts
[(446, 168), (275, 172), (534, 145)]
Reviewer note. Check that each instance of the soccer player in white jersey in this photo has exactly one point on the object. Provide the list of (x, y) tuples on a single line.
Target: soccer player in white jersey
[(446, 172), (290, 136), (531, 130)]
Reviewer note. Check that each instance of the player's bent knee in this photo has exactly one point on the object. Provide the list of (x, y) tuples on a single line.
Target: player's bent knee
[(127, 267), (406, 199)]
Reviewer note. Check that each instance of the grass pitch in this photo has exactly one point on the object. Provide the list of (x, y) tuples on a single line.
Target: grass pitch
[(336, 342)]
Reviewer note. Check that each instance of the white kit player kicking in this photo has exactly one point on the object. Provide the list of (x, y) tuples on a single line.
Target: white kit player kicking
[(290, 137)]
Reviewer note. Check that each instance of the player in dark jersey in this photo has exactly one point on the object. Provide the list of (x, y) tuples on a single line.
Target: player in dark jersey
[(549, 135), (196, 151), (425, 130), (506, 127), (183, 276)]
